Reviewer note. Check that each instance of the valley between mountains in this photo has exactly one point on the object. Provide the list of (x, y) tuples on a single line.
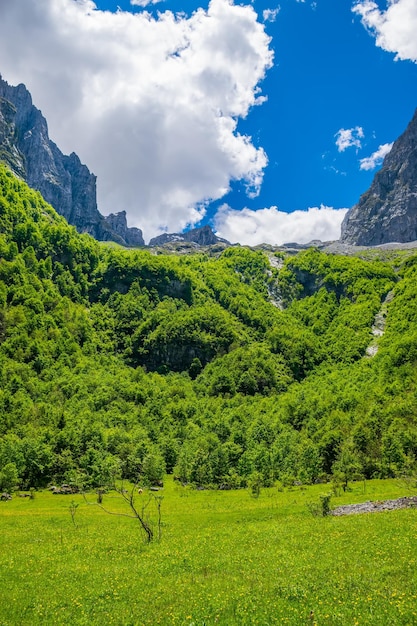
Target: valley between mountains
[(227, 398)]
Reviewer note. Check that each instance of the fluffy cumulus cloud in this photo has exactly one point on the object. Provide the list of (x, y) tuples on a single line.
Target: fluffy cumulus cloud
[(349, 138), (395, 28), (376, 158), (151, 104), (276, 227)]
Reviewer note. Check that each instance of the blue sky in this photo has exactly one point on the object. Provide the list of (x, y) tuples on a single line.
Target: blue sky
[(341, 85)]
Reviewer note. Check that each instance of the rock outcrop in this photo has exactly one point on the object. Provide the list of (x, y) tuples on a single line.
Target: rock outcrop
[(63, 181), (203, 236), (387, 212), (117, 223)]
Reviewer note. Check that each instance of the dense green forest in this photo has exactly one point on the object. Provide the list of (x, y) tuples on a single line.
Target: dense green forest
[(222, 368)]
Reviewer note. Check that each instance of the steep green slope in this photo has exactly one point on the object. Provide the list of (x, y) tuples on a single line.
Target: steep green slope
[(124, 362)]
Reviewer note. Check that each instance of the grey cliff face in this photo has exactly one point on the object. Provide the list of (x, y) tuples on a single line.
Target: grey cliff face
[(63, 181), (9, 152), (203, 236), (387, 212)]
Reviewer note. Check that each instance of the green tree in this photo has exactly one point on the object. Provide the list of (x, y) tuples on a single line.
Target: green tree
[(153, 467), (9, 478)]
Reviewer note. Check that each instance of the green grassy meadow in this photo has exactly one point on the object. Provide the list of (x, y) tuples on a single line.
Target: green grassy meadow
[(223, 558)]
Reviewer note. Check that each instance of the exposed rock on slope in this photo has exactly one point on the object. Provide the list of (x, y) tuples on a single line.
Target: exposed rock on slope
[(378, 327), (63, 181), (387, 212), (203, 236)]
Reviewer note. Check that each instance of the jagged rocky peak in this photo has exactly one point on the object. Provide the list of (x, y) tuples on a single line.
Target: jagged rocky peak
[(387, 212), (63, 180), (118, 224), (203, 236)]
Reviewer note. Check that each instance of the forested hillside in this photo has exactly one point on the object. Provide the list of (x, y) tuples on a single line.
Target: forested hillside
[(116, 362)]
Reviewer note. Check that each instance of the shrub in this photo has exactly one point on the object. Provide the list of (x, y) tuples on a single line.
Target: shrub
[(320, 508)]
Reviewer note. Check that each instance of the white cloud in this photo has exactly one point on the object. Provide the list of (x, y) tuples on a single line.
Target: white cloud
[(144, 3), (276, 227), (376, 158), (395, 28), (270, 15), (151, 105), (349, 137)]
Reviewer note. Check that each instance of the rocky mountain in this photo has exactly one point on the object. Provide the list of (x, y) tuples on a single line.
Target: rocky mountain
[(203, 236), (63, 180), (387, 212)]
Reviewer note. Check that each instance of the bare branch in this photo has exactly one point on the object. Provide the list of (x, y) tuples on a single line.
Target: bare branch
[(100, 506), (129, 498)]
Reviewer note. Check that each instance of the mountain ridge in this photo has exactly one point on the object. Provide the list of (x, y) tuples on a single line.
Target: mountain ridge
[(387, 211), (202, 236)]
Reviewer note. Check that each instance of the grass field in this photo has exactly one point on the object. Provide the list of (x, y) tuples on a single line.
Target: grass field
[(223, 558)]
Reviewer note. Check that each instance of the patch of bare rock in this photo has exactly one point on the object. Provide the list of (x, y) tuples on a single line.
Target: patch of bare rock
[(407, 502)]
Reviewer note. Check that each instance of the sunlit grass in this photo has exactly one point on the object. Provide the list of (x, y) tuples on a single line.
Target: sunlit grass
[(224, 558)]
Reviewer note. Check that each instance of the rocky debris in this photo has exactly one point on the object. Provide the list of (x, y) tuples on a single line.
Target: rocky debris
[(407, 502), (387, 212), (274, 292), (275, 298), (378, 327), (203, 236), (63, 180), (277, 263)]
